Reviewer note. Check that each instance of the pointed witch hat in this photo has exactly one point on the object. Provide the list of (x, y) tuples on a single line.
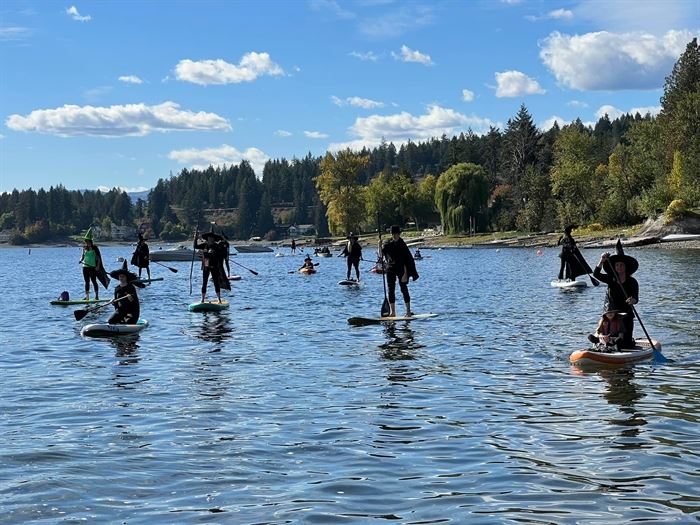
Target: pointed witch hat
[(88, 235), (631, 263), (130, 276), (215, 236)]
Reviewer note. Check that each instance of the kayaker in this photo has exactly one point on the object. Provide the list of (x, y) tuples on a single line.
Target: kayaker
[(399, 264), (610, 331), (308, 263), (418, 254), (213, 255), (623, 289), (140, 257), (353, 252), (568, 247), (91, 259), (127, 310)]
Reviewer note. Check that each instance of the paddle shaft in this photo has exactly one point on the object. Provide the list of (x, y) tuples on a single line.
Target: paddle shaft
[(79, 314), (385, 304), (174, 270), (634, 310), (194, 252), (245, 267)]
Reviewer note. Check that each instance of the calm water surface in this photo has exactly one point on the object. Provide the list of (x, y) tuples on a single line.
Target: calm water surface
[(277, 411)]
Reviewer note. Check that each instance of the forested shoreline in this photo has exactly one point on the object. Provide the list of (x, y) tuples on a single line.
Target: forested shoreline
[(615, 172)]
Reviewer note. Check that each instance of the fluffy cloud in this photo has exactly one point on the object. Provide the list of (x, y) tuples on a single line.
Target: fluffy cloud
[(206, 72), (315, 135), (549, 123), (516, 84), (467, 95), (283, 133), (72, 11), (357, 102), (130, 79), (560, 14), (201, 159), (116, 121), (577, 104), (368, 56), (409, 55), (612, 112), (609, 61), (401, 127)]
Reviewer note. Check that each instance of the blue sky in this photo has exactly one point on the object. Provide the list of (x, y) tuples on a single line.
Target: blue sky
[(104, 94)]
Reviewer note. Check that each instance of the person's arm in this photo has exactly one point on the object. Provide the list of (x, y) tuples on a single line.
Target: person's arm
[(633, 291), (598, 273)]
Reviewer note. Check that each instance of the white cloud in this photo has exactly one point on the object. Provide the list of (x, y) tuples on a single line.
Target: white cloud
[(315, 135), (201, 159), (643, 110), (577, 104), (610, 61), (409, 55), (612, 112), (206, 72), (72, 11), (467, 96), (368, 56), (133, 189), (116, 121), (549, 123), (648, 16), (10, 34), (401, 127), (283, 133), (395, 23), (130, 79), (332, 7), (560, 14), (357, 102), (516, 84), (511, 2)]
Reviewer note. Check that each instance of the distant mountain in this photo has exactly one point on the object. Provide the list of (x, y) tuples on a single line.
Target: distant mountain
[(136, 195)]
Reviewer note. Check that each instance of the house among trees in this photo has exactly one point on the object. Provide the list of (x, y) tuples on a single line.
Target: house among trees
[(301, 229)]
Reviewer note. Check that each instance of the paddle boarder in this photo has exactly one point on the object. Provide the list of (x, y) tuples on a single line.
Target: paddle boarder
[(610, 331), (213, 256), (568, 245), (127, 310), (141, 257), (623, 289), (399, 265), (93, 270), (353, 252), (294, 247)]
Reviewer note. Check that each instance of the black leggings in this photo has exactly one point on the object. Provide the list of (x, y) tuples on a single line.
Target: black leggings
[(565, 264), (356, 264), (628, 323), (120, 317), (391, 281), (214, 272), (90, 274)]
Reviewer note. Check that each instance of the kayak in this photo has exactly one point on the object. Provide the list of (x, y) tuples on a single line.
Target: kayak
[(111, 330), (569, 284), (358, 321), (307, 271), (234, 278), (324, 254), (208, 306), (349, 282), (79, 301), (148, 281), (641, 352)]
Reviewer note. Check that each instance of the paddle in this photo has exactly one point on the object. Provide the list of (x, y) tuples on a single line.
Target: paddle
[(386, 309), (174, 270), (80, 314), (246, 268), (657, 354), (194, 252), (584, 264)]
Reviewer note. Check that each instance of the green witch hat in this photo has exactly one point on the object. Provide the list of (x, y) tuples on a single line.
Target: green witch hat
[(88, 235)]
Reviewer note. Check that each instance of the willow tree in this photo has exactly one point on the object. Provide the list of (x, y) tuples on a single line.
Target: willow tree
[(340, 191), (461, 193)]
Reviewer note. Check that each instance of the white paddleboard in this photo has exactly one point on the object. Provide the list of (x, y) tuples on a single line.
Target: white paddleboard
[(110, 330), (569, 284), (374, 320)]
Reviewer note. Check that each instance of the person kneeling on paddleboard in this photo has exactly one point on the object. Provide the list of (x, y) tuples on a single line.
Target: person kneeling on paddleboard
[(399, 264), (127, 310), (610, 331)]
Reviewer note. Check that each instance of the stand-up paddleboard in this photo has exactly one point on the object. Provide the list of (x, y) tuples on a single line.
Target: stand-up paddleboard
[(374, 320), (208, 306), (569, 284), (148, 281), (278, 254), (349, 282), (642, 351), (111, 330), (308, 271), (234, 278), (78, 301)]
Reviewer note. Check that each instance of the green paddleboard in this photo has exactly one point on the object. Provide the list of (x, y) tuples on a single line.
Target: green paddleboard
[(208, 306), (79, 301)]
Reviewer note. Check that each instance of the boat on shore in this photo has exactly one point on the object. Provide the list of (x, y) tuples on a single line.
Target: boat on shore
[(179, 253)]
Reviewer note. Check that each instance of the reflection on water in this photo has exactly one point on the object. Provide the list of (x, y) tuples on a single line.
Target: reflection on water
[(400, 342), (126, 349), (215, 327), (622, 390)]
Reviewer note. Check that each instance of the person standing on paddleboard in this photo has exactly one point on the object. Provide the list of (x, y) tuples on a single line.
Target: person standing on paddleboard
[(294, 247), (623, 289), (127, 310), (213, 255), (141, 257), (353, 252), (91, 259), (568, 248), (399, 264)]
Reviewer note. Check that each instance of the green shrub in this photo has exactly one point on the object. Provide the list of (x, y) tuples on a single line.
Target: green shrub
[(675, 211)]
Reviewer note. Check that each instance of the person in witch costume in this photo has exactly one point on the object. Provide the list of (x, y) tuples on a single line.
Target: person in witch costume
[(568, 246), (213, 256), (141, 258), (400, 264), (353, 252), (623, 289), (227, 250), (93, 270), (127, 310)]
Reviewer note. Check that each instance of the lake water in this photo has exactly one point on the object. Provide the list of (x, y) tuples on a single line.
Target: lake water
[(276, 411)]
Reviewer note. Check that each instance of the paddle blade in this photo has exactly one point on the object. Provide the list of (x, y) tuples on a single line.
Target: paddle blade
[(594, 281), (174, 270), (253, 272), (386, 310), (79, 314)]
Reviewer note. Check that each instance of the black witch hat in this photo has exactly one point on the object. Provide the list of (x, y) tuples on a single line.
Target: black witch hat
[(631, 264), (130, 276), (215, 236)]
